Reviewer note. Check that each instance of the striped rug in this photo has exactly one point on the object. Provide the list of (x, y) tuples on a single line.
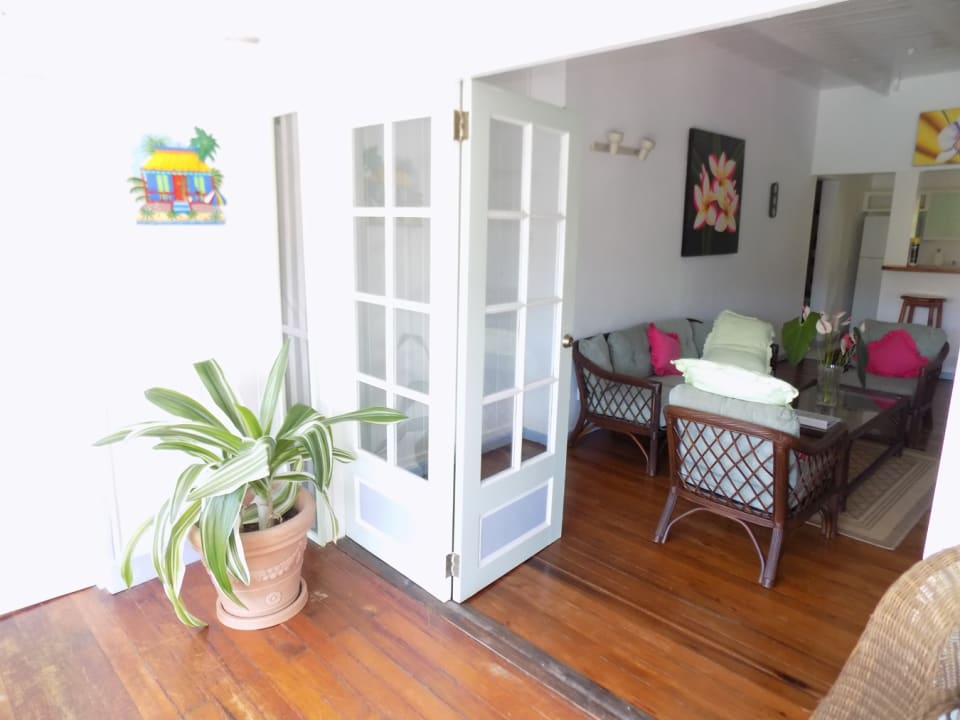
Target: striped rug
[(889, 502)]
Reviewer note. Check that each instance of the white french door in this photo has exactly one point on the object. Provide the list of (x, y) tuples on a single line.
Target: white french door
[(519, 209), (458, 304)]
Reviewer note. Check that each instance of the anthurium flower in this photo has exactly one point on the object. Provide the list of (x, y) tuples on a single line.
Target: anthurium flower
[(949, 142), (847, 342), (823, 326), (805, 313)]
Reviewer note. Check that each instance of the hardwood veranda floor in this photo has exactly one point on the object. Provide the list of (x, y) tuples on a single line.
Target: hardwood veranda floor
[(684, 630), (680, 631)]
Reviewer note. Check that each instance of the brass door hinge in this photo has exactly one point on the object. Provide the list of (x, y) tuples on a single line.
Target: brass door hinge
[(461, 125), (453, 565)]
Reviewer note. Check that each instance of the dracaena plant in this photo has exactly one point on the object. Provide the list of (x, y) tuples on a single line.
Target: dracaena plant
[(244, 473)]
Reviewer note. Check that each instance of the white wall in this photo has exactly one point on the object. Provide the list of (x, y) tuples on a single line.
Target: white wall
[(629, 266)]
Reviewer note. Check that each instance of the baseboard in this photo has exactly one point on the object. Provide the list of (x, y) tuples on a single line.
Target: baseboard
[(143, 570)]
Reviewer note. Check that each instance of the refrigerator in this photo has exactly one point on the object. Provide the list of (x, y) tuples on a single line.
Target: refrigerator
[(873, 243)]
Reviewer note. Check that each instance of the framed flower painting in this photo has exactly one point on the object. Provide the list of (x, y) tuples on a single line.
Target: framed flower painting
[(938, 138), (713, 194)]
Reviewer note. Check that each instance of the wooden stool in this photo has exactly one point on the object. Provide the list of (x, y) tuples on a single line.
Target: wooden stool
[(933, 304)]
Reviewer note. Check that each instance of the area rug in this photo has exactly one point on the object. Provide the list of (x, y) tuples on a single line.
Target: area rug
[(889, 502)]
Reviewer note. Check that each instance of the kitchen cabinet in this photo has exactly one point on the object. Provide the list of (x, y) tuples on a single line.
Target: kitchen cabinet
[(942, 218)]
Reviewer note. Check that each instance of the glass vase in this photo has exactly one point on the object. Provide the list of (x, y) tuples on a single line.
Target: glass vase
[(828, 384)]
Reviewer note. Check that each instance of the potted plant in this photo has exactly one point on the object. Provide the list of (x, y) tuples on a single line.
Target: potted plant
[(837, 348), (241, 498)]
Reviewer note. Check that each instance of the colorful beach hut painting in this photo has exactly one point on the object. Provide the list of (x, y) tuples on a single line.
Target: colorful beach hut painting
[(176, 185)]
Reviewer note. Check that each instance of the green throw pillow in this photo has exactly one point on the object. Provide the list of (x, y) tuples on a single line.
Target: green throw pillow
[(740, 340)]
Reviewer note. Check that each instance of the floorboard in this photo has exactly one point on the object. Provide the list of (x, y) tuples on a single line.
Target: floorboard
[(684, 629)]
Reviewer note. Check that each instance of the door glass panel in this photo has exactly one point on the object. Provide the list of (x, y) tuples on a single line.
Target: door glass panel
[(503, 261), (537, 411), (506, 163), (373, 438), (413, 436), (547, 155), (500, 352), (497, 437), (540, 343), (542, 275), (412, 162), (370, 259), (413, 350), (368, 166), (371, 336), (413, 259)]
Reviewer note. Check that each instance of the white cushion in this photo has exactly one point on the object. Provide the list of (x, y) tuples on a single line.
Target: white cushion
[(735, 382)]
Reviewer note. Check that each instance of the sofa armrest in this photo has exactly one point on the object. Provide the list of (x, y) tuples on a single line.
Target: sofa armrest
[(631, 400)]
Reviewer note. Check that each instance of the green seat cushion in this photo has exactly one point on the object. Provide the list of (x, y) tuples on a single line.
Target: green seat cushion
[(778, 417), (630, 351), (596, 350), (740, 340)]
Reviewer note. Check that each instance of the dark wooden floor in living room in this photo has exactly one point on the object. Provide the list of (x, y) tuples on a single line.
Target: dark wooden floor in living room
[(683, 629)]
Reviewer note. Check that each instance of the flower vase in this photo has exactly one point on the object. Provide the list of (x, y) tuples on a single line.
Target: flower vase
[(828, 384)]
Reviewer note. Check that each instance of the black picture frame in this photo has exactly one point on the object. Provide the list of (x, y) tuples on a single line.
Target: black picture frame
[(713, 194)]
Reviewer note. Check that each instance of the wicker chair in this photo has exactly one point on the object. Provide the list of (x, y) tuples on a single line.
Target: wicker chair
[(753, 475), (906, 664)]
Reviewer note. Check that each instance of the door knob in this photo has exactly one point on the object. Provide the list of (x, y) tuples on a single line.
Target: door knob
[(566, 340)]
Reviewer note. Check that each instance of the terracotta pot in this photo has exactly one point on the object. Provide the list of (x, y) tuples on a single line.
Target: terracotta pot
[(274, 556)]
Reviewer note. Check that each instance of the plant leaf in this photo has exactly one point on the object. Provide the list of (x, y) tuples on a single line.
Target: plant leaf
[(797, 336), (182, 406), (373, 414), (272, 390), (182, 488), (189, 432), (344, 456), (217, 520), (250, 464), (236, 560), (285, 497), (173, 557), (126, 569), (319, 444), (196, 451), (250, 423), (298, 417), (213, 379)]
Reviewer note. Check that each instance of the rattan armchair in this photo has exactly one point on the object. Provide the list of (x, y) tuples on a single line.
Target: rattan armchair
[(906, 665), (753, 475)]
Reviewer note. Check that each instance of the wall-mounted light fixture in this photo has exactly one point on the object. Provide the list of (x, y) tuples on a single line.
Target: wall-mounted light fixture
[(613, 146)]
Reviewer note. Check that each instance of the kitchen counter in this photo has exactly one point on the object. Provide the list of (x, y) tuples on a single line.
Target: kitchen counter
[(949, 269)]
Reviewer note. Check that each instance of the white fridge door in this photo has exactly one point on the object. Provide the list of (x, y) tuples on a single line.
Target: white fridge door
[(874, 239), (866, 294)]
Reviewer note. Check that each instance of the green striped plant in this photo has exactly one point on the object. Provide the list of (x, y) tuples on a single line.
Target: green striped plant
[(244, 474)]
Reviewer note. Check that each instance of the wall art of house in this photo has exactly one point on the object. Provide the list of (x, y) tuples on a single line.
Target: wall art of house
[(178, 176)]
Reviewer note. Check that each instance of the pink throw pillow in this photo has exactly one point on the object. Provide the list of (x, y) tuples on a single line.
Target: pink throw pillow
[(664, 347), (895, 355)]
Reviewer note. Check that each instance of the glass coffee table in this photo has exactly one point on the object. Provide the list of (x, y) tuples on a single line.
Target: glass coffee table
[(869, 414)]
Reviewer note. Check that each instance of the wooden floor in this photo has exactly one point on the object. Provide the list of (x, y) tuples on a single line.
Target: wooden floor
[(684, 630), (361, 649), (681, 630)]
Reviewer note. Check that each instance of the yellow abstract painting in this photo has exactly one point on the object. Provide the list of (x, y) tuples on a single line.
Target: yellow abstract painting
[(938, 138)]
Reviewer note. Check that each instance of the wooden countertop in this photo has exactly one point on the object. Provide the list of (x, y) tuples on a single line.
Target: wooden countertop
[(948, 269)]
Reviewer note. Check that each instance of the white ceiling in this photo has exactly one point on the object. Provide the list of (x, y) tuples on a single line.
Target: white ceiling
[(873, 43)]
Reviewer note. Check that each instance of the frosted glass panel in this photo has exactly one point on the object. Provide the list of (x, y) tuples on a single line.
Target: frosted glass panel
[(503, 261), (542, 276), (537, 411), (500, 353), (371, 337), (506, 162), (497, 437), (540, 343), (413, 259), (368, 166), (413, 350), (373, 438), (413, 436), (511, 522), (412, 170), (546, 165), (368, 233)]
